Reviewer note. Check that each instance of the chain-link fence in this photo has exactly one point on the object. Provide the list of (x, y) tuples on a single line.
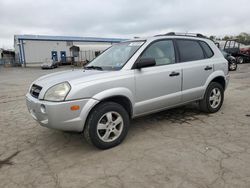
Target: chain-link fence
[(83, 57), (7, 58), (8, 61)]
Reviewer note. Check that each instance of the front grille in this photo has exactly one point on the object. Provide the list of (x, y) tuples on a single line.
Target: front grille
[(35, 90)]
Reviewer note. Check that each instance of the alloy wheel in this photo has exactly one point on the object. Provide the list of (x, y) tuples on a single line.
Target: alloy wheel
[(215, 98), (110, 126), (232, 66)]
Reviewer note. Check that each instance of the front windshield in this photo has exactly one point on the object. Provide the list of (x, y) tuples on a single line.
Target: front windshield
[(116, 56)]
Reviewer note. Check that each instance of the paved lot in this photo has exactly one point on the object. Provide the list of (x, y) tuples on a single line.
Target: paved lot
[(174, 148)]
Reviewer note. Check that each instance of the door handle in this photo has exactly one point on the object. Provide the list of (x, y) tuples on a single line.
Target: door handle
[(208, 68), (174, 74)]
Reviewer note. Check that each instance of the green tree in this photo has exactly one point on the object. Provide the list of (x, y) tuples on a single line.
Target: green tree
[(225, 37), (243, 38)]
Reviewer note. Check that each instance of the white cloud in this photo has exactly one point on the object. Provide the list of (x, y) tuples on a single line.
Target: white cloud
[(121, 18)]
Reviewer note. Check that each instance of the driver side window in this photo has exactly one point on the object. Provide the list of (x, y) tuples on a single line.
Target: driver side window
[(162, 52)]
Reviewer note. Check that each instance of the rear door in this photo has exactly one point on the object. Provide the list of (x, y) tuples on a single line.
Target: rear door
[(196, 66), (158, 87)]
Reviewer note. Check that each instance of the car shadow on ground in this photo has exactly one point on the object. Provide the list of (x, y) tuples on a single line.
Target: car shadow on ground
[(180, 115), (177, 116)]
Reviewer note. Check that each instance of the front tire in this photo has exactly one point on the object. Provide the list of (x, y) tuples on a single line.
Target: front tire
[(213, 98), (107, 125)]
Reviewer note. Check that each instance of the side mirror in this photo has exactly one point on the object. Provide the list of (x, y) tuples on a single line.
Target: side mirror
[(145, 62)]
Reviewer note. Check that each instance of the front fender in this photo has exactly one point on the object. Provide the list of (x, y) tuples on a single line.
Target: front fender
[(103, 95), (120, 91)]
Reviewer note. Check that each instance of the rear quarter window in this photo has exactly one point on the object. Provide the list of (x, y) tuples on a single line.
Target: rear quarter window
[(190, 50), (207, 49)]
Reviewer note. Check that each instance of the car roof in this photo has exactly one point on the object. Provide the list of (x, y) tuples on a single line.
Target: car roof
[(157, 37)]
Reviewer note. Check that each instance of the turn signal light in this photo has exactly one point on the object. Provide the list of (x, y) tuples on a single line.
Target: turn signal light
[(75, 107)]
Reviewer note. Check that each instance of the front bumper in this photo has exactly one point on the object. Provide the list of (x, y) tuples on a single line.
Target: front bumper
[(58, 115)]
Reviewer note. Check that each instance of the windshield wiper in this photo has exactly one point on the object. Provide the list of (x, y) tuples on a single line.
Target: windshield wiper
[(94, 67)]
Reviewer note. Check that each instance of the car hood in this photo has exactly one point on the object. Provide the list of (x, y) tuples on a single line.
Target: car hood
[(73, 77)]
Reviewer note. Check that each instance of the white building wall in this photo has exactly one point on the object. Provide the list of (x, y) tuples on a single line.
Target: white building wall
[(39, 51), (92, 43), (16, 48)]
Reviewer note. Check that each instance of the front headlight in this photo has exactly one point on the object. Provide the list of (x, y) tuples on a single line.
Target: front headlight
[(57, 92)]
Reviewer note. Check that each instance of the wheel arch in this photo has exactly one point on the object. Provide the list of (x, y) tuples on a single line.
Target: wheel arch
[(220, 80), (219, 77), (123, 101), (121, 96)]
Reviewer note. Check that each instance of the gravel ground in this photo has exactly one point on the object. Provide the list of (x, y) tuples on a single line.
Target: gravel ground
[(176, 148)]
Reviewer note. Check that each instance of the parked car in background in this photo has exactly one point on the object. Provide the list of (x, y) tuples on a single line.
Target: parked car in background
[(233, 48), (232, 63), (245, 50), (49, 64), (128, 80)]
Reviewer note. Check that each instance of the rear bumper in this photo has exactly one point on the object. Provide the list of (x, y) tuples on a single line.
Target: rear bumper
[(58, 115)]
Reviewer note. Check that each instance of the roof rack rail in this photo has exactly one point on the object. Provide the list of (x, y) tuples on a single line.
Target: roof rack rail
[(182, 34)]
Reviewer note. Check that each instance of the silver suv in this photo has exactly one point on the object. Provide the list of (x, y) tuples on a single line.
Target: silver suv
[(130, 79)]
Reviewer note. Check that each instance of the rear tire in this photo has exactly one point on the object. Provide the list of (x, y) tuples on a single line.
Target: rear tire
[(213, 98), (107, 125)]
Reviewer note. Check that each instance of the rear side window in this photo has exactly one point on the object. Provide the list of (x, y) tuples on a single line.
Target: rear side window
[(207, 49), (190, 50)]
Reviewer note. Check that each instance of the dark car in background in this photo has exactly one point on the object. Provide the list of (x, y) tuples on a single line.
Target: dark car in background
[(233, 47), (232, 62)]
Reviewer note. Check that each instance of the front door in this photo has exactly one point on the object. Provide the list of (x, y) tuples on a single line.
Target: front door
[(158, 87)]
